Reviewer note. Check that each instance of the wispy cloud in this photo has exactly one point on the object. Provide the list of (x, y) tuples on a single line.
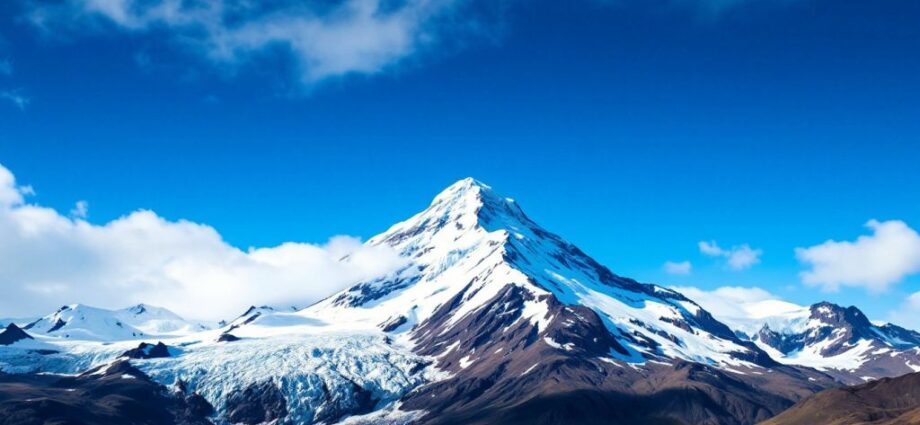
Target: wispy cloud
[(80, 210), (678, 268), (16, 97), (874, 262), (744, 309), (325, 39), (739, 257)]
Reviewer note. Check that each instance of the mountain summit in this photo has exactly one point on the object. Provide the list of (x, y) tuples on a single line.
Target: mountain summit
[(473, 247), (516, 314)]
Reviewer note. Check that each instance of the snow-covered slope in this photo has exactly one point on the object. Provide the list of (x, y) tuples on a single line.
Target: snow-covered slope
[(470, 244), (82, 322), (828, 337), (158, 321)]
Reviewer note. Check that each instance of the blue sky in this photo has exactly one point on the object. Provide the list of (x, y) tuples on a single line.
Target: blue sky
[(635, 129)]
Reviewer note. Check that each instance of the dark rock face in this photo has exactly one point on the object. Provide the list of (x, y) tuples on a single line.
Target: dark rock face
[(197, 406), (257, 403), (12, 334), (111, 394), (783, 343), (505, 371), (147, 351), (393, 324), (226, 337), (359, 402), (57, 325)]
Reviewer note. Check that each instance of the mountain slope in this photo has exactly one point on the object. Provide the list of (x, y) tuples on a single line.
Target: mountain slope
[(517, 315), (154, 320), (82, 322), (472, 246), (887, 401), (842, 342)]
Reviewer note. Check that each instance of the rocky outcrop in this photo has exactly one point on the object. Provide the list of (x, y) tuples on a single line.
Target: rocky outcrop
[(258, 403), (13, 334), (147, 351)]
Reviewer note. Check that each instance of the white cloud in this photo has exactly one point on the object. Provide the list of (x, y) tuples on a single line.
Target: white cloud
[(678, 268), (745, 309), (874, 262), (710, 248), (10, 194), (80, 210), (738, 257), (16, 97), (47, 259), (727, 300), (325, 39)]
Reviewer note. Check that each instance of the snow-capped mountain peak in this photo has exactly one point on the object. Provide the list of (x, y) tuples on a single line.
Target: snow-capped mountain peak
[(83, 322), (154, 320), (472, 247), (841, 340), (78, 321)]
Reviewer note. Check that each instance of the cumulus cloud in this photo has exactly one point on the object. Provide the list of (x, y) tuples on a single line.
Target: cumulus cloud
[(678, 268), (739, 257), (16, 97), (874, 261), (744, 309), (727, 301), (325, 39), (48, 259)]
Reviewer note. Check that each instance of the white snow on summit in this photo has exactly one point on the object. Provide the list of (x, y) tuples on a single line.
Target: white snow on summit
[(82, 322)]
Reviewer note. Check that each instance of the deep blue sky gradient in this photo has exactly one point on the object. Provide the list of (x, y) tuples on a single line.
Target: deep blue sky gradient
[(634, 129)]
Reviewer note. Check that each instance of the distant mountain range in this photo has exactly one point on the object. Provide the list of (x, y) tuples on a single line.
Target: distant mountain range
[(494, 320), (81, 322)]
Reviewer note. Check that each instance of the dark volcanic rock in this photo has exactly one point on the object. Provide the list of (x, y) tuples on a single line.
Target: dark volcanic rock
[(12, 334), (257, 403), (505, 371), (197, 406), (227, 337), (359, 402), (393, 324), (111, 394), (57, 325), (148, 351)]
